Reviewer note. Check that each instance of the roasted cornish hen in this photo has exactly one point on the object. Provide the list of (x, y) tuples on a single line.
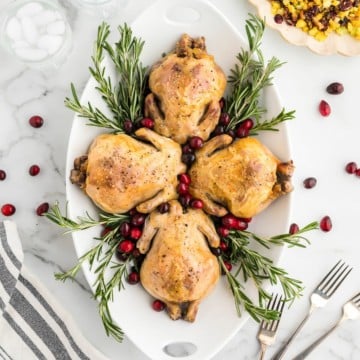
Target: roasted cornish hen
[(179, 268), (240, 176), (121, 172), (186, 86)]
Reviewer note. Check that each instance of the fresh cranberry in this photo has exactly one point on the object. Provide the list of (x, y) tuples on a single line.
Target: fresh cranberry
[(8, 209), (326, 224), (223, 246), (242, 132), (36, 121), (2, 175), (335, 88), (196, 142), (133, 278), (184, 200), (216, 251), (224, 119), (228, 265), (138, 219), (219, 130), (147, 122), (196, 204), (133, 212), (278, 19), (121, 256), (105, 231), (351, 167), (182, 189), (126, 246), (357, 172), (231, 133), (184, 179), (240, 225), (309, 182), (188, 159), (247, 220), (125, 229), (294, 228), (158, 305), (187, 149), (247, 124), (324, 108), (135, 233), (128, 126), (34, 170), (229, 221), (164, 208), (223, 231), (42, 208)]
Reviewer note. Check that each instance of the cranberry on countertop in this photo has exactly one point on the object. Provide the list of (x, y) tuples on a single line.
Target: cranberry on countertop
[(8, 209), (36, 121), (2, 175), (324, 108)]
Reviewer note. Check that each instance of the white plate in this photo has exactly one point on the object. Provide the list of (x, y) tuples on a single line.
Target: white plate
[(345, 44), (161, 26)]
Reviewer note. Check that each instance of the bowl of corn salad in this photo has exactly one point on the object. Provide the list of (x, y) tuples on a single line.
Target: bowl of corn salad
[(325, 26)]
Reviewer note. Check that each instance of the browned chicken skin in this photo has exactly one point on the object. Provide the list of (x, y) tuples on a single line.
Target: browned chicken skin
[(123, 172), (242, 177), (186, 87), (179, 268)]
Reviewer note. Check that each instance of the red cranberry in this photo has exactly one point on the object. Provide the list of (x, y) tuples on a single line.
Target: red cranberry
[(147, 122), (222, 103), (128, 126), (228, 265), (182, 189), (219, 130), (184, 200), (133, 212), (324, 108), (335, 88), (2, 175), (34, 170), (240, 225), (247, 124), (187, 149), (224, 119), (196, 142), (223, 231), (247, 220), (242, 132), (125, 229), (135, 233), (278, 19), (326, 224), (357, 172), (309, 182), (184, 179), (36, 121), (8, 209), (138, 219), (216, 251), (231, 133), (188, 159), (223, 246), (121, 256), (133, 278), (105, 231), (229, 221), (294, 228), (196, 204), (42, 208), (126, 246), (351, 167), (164, 208), (158, 305)]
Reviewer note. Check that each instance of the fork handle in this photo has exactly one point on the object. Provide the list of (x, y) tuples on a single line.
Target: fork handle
[(311, 347), (281, 352)]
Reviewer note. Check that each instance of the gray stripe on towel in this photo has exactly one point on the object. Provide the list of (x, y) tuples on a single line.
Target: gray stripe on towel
[(53, 314), (6, 278), (39, 325), (25, 338), (4, 352), (7, 248)]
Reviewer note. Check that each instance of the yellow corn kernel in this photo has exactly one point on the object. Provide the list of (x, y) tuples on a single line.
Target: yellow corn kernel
[(301, 24)]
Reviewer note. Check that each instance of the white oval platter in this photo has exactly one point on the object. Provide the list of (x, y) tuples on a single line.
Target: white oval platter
[(160, 26)]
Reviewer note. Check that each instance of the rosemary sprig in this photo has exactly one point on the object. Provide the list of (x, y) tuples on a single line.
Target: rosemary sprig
[(125, 100), (259, 268), (103, 254), (248, 78)]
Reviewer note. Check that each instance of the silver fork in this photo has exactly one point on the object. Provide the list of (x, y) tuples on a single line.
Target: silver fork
[(351, 310), (319, 298), (267, 331)]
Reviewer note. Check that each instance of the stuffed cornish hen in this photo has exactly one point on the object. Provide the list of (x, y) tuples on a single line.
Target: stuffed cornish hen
[(186, 87)]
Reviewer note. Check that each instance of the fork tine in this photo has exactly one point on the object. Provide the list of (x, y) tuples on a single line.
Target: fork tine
[(356, 299), (338, 281), (329, 276), (266, 324), (279, 308)]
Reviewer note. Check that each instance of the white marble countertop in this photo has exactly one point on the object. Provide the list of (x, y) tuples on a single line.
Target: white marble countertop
[(321, 147)]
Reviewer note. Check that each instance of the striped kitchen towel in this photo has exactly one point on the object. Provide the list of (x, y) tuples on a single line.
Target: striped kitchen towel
[(33, 324)]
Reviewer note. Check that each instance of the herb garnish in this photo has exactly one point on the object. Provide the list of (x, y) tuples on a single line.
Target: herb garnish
[(125, 100), (248, 78)]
